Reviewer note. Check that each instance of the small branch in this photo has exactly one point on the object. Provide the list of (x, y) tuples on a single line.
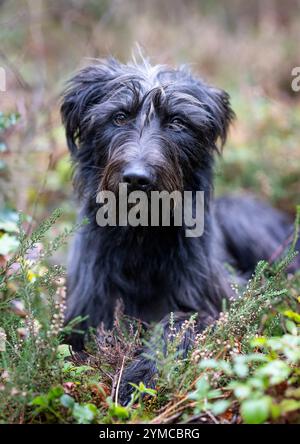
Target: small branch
[(119, 381), (212, 417)]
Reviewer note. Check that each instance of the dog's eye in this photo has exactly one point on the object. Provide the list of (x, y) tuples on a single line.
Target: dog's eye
[(120, 118), (176, 123)]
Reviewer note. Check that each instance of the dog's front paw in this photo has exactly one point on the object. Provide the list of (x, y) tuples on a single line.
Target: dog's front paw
[(140, 370)]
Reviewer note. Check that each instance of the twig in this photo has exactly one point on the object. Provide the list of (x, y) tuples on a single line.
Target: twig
[(169, 410), (212, 417), (281, 248), (119, 381)]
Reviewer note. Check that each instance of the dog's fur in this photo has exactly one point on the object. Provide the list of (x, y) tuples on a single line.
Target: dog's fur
[(171, 122)]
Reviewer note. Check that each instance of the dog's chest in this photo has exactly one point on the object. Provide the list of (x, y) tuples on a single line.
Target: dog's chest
[(150, 277)]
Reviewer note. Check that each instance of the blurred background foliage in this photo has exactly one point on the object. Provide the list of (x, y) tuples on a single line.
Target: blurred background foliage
[(247, 48)]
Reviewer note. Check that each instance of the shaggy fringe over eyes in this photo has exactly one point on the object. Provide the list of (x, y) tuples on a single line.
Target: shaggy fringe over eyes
[(99, 83)]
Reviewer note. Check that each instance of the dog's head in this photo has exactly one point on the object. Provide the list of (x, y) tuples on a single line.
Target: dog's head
[(149, 126)]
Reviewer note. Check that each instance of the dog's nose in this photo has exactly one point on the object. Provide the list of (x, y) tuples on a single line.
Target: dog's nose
[(137, 177)]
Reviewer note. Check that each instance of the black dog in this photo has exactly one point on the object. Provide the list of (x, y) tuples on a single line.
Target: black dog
[(155, 128)]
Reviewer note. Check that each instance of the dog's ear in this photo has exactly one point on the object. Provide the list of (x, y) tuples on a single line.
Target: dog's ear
[(217, 109), (83, 91), (217, 104)]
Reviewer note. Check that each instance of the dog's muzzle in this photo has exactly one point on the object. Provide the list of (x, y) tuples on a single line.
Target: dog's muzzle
[(137, 177)]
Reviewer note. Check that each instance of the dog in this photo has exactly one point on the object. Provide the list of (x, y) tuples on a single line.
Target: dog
[(155, 128)]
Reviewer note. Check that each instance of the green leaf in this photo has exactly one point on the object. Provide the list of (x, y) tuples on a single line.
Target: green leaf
[(212, 394), (220, 407), (256, 411), (277, 371), (63, 351), (67, 401), (41, 401), (289, 345), (275, 411), (84, 414), (258, 383), (291, 327), (289, 405), (258, 342), (240, 367), (142, 389), (292, 315), (241, 391), (55, 392), (119, 411)]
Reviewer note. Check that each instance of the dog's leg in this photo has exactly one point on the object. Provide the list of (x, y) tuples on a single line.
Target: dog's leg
[(144, 367), (88, 295)]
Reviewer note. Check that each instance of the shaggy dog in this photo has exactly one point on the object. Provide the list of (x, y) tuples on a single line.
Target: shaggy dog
[(155, 128)]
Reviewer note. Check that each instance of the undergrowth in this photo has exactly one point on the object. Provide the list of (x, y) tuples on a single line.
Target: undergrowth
[(243, 368)]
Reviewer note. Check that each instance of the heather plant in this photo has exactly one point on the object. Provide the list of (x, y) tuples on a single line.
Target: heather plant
[(32, 305), (222, 370)]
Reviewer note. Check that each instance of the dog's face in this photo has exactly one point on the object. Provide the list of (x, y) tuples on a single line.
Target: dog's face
[(152, 127)]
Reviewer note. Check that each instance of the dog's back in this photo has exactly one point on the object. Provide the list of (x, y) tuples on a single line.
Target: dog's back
[(252, 230)]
